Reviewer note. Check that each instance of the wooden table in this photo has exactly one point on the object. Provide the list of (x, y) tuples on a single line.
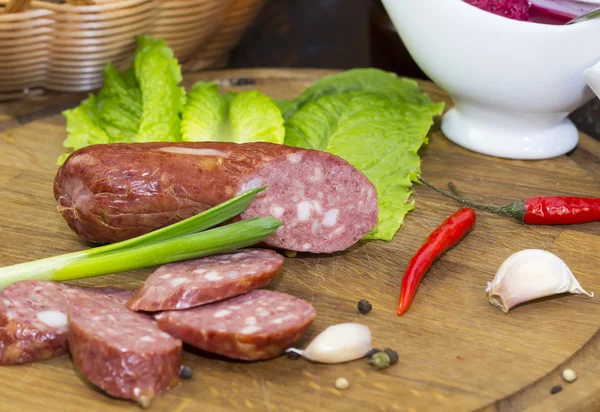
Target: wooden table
[(456, 351)]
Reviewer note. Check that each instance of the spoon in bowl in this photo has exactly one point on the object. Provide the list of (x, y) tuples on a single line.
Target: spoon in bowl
[(587, 16)]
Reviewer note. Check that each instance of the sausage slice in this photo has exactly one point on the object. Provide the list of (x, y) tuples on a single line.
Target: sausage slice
[(259, 325), (196, 282), (33, 318), (122, 352)]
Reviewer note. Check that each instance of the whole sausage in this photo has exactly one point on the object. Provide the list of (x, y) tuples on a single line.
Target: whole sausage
[(33, 318), (258, 325), (122, 352), (196, 282), (108, 193)]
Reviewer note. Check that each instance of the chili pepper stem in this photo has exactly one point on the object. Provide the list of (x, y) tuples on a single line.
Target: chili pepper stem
[(514, 210)]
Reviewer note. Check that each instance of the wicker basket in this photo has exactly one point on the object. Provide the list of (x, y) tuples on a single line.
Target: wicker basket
[(64, 47)]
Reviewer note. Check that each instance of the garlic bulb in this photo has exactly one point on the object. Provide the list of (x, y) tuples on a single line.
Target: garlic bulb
[(339, 343), (531, 274)]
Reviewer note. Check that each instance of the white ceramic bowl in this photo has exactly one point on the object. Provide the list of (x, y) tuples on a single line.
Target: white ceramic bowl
[(513, 82)]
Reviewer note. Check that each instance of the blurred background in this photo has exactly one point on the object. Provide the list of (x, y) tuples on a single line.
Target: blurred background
[(341, 34)]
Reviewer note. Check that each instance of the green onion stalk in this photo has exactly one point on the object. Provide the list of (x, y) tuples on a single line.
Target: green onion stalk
[(184, 240)]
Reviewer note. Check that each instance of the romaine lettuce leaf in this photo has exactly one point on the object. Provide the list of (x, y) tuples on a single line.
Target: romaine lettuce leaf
[(120, 104), (83, 127), (234, 117), (365, 80), (379, 135), (255, 118), (203, 114), (158, 75)]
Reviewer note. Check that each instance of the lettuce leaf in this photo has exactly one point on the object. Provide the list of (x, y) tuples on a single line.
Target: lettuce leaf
[(254, 117), (203, 114), (158, 75), (365, 80), (83, 127), (120, 104), (379, 134), (234, 117)]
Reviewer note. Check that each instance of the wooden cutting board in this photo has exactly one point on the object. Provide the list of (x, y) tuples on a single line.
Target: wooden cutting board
[(456, 351)]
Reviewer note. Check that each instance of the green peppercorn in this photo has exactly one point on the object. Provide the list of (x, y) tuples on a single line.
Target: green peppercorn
[(372, 352), (380, 360)]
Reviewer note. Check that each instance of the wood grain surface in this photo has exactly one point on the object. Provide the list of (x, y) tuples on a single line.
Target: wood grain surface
[(456, 351)]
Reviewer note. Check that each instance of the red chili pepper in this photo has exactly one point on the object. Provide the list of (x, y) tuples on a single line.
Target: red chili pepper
[(541, 210), (449, 233), (561, 210)]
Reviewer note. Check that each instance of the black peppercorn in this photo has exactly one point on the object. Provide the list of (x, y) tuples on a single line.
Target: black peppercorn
[(393, 356), (555, 389), (372, 352), (364, 306), (185, 372)]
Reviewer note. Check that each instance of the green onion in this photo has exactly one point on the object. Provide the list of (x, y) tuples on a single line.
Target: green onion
[(197, 223), (234, 236), (170, 244)]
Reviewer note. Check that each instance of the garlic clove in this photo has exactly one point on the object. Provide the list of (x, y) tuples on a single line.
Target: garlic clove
[(338, 343), (531, 274)]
